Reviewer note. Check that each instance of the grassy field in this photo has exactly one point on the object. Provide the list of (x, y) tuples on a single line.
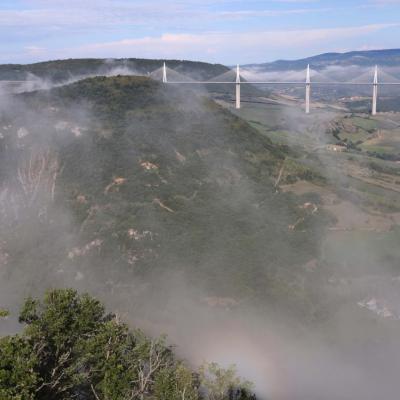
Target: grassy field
[(377, 137), (365, 123), (355, 175)]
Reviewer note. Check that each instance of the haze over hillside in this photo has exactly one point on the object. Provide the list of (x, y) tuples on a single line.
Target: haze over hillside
[(199, 200), (153, 198), (61, 70), (352, 67), (64, 70), (242, 231)]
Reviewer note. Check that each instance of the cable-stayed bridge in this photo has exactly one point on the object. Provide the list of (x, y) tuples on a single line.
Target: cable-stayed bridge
[(234, 77), (302, 79)]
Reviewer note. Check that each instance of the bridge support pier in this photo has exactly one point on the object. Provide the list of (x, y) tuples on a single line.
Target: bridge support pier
[(308, 90), (164, 76), (237, 87), (375, 92)]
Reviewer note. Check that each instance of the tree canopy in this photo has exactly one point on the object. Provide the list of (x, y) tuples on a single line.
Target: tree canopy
[(71, 348)]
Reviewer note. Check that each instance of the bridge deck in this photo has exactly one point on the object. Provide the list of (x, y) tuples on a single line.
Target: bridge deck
[(284, 83)]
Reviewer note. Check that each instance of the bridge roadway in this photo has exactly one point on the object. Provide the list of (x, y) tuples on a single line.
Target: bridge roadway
[(307, 84), (284, 83)]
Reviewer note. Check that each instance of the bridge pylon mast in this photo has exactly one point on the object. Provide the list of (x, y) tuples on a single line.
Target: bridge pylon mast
[(237, 87), (308, 89), (375, 91), (164, 76)]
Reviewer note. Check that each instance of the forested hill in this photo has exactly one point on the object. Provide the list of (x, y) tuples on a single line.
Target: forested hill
[(110, 182), (62, 70)]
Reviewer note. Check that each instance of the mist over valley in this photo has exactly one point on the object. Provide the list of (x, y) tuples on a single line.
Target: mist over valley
[(260, 237)]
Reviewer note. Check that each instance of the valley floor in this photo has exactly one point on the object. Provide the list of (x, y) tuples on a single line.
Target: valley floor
[(361, 191)]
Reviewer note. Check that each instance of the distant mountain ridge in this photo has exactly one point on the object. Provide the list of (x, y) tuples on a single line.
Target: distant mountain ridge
[(62, 70), (390, 57)]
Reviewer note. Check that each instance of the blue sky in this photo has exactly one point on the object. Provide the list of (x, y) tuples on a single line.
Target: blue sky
[(230, 32)]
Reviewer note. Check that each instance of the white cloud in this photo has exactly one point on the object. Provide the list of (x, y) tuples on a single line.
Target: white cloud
[(385, 1), (35, 50), (269, 13), (103, 13), (190, 28)]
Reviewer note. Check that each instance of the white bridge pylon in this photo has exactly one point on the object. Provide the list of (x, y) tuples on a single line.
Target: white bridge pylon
[(164, 75), (307, 85), (375, 91), (237, 87), (308, 89)]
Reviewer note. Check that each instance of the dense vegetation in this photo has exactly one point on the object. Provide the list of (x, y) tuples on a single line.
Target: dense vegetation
[(169, 208), (71, 349), (62, 70), (141, 181)]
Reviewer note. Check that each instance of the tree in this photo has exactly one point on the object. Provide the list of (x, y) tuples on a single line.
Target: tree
[(224, 384), (72, 349), (177, 384), (18, 376), (55, 328)]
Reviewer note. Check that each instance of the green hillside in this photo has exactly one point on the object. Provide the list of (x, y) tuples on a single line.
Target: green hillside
[(121, 179), (71, 70), (62, 70)]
